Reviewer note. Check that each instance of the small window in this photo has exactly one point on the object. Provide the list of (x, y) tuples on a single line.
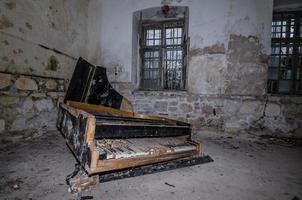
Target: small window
[(163, 56), (285, 61)]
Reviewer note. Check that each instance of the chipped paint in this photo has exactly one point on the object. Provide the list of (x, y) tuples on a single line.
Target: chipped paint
[(53, 63), (21, 30), (5, 58), (28, 25), (5, 22), (10, 5), (218, 48), (5, 42)]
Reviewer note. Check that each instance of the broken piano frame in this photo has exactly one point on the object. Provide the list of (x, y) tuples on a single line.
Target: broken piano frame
[(106, 139), (110, 140)]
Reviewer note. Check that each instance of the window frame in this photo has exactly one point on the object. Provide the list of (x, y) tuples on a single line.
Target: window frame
[(162, 25), (287, 61)]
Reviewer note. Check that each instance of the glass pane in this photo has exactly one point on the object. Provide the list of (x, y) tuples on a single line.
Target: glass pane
[(300, 27), (285, 86), (299, 87), (173, 69), (275, 50), (286, 74), (272, 74), (157, 34), (150, 34), (146, 75), (283, 61), (173, 36), (156, 42), (299, 74), (283, 50), (273, 61), (153, 37)]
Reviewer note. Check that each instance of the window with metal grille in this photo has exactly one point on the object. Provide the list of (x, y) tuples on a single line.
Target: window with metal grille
[(163, 55), (285, 61)]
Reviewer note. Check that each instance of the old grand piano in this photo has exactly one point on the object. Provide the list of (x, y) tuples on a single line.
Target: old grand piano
[(110, 141)]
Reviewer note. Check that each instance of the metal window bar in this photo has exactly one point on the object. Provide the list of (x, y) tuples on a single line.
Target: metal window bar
[(284, 63)]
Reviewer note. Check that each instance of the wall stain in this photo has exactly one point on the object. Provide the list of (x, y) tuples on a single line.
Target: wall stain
[(21, 30), (18, 51), (53, 25), (244, 54), (28, 25), (5, 42), (10, 5), (214, 49), (5, 58), (263, 58), (5, 22), (52, 8), (12, 62), (53, 64), (26, 61)]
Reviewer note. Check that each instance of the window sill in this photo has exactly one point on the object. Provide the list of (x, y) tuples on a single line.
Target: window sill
[(163, 92)]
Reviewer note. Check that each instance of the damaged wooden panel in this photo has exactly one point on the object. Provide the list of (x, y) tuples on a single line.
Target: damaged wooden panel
[(154, 168), (105, 138), (90, 84), (78, 129)]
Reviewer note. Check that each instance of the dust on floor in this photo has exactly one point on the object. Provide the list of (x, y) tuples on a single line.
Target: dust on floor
[(244, 167)]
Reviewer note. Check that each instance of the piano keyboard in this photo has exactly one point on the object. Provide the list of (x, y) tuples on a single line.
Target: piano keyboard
[(127, 148)]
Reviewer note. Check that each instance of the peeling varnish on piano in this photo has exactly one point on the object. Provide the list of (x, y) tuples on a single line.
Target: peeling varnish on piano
[(113, 138)]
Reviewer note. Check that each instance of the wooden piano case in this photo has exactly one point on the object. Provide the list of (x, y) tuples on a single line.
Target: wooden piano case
[(105, 135)]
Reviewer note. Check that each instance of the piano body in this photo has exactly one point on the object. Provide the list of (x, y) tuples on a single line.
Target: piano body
[(108, 139)]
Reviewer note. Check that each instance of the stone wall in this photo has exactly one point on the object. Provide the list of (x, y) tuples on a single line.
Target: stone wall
[(231, 113), (40, 42), (28, 105), (226, 80)]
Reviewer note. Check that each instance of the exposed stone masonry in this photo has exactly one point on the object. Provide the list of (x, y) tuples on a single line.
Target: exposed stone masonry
[(231, 113), (28, 105)]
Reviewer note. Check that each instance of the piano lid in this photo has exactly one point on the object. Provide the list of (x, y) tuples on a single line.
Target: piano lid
[(89, 84)]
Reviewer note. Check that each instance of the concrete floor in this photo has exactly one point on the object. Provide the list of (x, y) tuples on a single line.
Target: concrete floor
[(245, 167)]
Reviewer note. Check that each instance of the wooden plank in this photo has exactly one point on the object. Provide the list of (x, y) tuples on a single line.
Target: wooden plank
[(80, 80), (126, 105), (91, 125), (78, 128), (113, 111), (117, 164), (139, 131), (155, 168), (94, 156)]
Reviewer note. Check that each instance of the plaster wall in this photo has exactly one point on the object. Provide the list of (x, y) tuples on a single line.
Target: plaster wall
[(211, 24), (27, 25)]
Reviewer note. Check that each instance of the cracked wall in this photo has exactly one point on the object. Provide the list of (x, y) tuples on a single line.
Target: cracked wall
[(226, 80), (227, 70)]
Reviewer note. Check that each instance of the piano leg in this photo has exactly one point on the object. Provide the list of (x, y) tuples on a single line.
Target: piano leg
[(79, 181)]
